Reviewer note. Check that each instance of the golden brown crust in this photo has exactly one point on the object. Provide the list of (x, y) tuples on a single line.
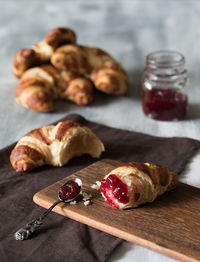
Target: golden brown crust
[(52, 71), (64, 128), (54, 145), (76, 87), (24, 84), (38, 134), (41, 52), (77, 93), (35, 94), (40, 86), (108, 76), (23, 60), (23, 158), (60, 36), (162, 172), (40, 102), (145, 180), (164, 177), (144, 168), (173, 183), (78, 69)]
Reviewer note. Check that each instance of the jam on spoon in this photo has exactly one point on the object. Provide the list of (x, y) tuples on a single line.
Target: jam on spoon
[(67, 193)]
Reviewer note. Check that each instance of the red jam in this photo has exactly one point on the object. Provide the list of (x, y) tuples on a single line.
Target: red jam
[(164, 104), (113, 188), (69, 191)]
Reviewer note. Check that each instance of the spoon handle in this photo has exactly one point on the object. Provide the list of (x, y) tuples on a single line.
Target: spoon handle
[(30, 228)]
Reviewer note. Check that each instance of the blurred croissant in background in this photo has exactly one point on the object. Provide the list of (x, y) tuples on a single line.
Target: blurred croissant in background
[(58, 68)]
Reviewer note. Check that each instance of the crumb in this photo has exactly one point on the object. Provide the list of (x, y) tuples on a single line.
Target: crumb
[(87, 202), (73, 202), (96, 186), (98, 183), (86, 196)]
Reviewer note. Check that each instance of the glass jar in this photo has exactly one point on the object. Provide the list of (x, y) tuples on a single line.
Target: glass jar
[(164, 86)]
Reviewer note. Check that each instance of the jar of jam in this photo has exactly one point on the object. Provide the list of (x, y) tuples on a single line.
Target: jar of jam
[(164, 86)]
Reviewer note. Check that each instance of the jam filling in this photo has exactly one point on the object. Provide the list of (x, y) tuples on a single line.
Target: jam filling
[(69, 191), (113, 188), (164, 104)]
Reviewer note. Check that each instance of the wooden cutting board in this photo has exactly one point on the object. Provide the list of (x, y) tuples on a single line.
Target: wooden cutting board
[(170, 225)]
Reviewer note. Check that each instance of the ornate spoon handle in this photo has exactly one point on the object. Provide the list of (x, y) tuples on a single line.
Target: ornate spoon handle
[(30, 228)]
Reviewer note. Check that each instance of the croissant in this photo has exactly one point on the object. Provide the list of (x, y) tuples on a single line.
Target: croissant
[(40, 86), (56, 68), (107, 74), (54, 145), (133, 184), (42, 51)]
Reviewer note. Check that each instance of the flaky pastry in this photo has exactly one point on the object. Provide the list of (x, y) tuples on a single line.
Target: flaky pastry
[(106, 73), (133, 184), (41, 52), (54, 145), (40, 86), (58, 68)]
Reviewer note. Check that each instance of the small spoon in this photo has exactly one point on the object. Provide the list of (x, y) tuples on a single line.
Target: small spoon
[(67, 193)]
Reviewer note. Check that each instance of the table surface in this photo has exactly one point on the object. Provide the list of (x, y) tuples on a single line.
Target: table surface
[(128, 30)]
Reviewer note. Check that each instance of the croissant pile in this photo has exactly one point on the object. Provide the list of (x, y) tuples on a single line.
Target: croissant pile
[(54, 145), (133, 184), (59, 68)]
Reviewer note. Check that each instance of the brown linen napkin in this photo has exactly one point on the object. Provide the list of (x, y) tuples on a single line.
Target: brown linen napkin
[(62, 239)]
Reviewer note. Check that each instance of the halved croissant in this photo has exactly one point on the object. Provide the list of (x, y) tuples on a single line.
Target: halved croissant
[(106, 73), (41, 52), (40, 86), (133, 184), (54, 145)]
